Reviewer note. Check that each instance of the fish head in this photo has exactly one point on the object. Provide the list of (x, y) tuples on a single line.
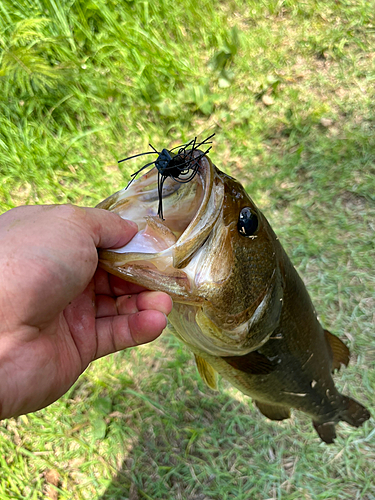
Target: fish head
[(214, 253)]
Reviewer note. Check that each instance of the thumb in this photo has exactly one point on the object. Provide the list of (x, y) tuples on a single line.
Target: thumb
[(108, 229)]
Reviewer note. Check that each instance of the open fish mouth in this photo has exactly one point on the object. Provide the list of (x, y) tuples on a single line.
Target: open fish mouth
[(166, 251)]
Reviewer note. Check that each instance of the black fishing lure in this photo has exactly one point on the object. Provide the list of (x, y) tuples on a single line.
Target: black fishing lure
[(181, 166)]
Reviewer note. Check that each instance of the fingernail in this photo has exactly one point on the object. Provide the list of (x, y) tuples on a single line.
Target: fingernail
[(166, 321)]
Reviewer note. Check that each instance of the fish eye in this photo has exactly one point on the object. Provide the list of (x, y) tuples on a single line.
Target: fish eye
[(247, 222)]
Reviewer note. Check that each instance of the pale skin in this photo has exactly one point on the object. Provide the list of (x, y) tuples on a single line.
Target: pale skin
[(58, 310)]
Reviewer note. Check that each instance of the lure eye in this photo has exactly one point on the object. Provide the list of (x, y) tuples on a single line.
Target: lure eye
[(247, 222)]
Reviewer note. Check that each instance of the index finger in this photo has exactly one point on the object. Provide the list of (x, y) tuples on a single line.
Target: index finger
[(122, 287)]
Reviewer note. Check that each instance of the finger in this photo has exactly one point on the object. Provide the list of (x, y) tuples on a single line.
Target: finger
[(107, 229), (122, 287), (102, 285), (130, 304), (105, 306), (119, 332), (159, 301), (108, 284), (126, 304)]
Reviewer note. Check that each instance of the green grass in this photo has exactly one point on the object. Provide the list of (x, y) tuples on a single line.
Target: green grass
[(83, 84)]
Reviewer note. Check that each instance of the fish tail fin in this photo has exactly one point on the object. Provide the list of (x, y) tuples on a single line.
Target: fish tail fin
[(351, 412), (354, 413), (326, 431)]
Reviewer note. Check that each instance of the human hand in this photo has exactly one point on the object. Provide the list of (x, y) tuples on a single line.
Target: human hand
[(58, 311)]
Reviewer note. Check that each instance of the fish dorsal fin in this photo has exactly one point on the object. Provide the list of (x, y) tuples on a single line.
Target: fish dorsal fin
[(273, 412), (340, 353), (253, 363), (208, 374)]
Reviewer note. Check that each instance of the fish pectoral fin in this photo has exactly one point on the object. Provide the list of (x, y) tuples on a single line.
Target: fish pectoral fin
[(207, 326), (273, 412), (208, 374), (340, 353), (253, 363)]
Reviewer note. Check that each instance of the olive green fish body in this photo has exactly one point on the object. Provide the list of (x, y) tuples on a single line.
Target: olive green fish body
[(293, 368), (239, 304)]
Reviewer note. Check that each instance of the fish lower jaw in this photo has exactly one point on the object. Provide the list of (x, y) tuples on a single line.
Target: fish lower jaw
[(173, 281)]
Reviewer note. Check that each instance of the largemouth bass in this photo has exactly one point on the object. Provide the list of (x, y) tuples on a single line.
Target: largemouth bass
[(239, 303)]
